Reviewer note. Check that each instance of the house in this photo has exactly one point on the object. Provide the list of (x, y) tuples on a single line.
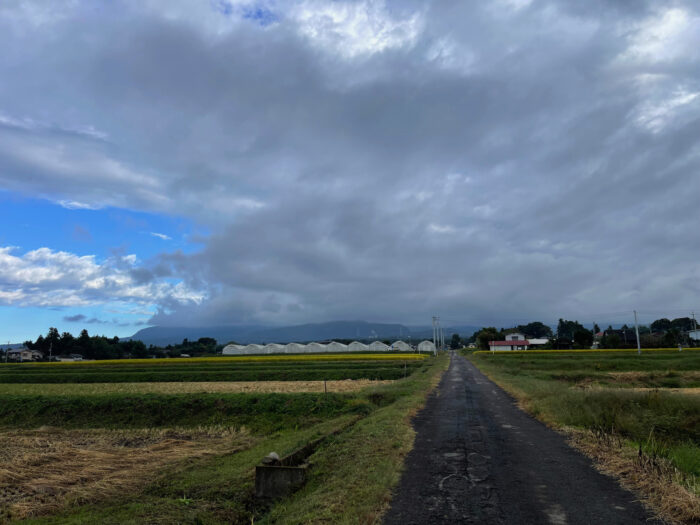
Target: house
[(514, 341), (534, 343), (24, 354)]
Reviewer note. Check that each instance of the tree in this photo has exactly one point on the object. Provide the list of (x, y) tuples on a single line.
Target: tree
[(455, 342), (596, 328), (661, 325), (583, 338), (536, 330), (684, 324), (485, 335)]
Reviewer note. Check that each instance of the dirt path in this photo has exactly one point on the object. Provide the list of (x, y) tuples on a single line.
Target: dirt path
[(478, 458)]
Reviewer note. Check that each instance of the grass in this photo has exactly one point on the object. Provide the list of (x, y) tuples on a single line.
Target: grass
[(350, 481), (580, 391), (259, 412)]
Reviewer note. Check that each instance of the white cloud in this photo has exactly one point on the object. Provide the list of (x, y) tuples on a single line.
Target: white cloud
[(355, 29), (161, 236), (49, 278)]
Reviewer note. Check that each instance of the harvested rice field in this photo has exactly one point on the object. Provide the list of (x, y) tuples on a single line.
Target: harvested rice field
[(204, 387), (48, 469)]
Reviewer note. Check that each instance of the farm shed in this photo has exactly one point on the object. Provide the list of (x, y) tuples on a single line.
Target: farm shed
[(233, 350), (334, 346), (426, 346), (356, 346), (401, 346), (378, 346), (315, 348)]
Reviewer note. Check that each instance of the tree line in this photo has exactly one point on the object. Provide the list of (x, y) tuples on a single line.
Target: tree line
[(662, 333), (55, 344)]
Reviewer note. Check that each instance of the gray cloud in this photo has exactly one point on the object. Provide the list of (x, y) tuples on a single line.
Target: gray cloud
[(494, 160)]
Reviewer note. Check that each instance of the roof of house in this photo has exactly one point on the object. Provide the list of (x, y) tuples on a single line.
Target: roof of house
[(515, 342)]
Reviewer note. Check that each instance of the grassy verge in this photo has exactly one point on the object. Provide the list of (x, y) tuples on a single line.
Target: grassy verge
[(648, 427), (350, 481)]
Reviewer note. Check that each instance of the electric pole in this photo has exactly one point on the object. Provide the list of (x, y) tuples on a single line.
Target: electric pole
[(636, 329), (695, 330)]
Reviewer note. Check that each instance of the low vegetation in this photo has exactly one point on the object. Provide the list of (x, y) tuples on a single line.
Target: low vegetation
[(193, 455), (599, 394), (248, 368)]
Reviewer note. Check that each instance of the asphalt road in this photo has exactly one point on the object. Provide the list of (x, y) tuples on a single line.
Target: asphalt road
[(478, 458)]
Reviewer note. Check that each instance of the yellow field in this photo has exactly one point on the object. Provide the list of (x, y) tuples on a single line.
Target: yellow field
[(210, 387), (247, 358)]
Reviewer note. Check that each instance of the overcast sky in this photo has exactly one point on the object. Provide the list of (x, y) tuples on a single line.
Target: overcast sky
[(225, 162)]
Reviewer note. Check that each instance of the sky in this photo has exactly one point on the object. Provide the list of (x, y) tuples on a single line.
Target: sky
[(216, 162)]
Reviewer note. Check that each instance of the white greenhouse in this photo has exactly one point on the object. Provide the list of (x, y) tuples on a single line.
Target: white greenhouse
[(401, 346), (378, 346), (356, 346), (294, 348), (334, 347), (315, 348), (273, 348), (253, 349), (426, 346), (233, 350)]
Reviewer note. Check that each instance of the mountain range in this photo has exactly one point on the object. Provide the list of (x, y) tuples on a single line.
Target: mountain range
[(244, 334)]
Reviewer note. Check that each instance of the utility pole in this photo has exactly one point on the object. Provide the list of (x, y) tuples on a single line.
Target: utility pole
[(435, 343), (695, 329), (636, 329)]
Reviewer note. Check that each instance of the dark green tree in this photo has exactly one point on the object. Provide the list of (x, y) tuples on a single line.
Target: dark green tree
[(455, 342), (536, 330), (661, 325)]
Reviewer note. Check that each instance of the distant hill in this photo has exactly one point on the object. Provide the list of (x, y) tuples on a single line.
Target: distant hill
[(165, 335)]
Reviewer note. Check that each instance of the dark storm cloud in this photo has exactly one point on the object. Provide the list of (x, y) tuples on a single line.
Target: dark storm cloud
[(494, 160)]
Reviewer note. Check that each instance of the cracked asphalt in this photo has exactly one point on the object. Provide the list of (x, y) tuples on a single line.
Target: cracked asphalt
[(478, 458)]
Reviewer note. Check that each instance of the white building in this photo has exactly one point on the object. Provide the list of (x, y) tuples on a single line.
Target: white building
[(538, 342), (315, 348), (253, 349), (24, 354), (426, 346), (273, 348), (233, 350), (378, 346), (400, 346), (356, 346), (334, 347), (294, 348)]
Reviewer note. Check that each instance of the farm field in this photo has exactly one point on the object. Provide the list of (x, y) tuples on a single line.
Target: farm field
[(125, 452), (281, 387), (639, 416), (247, 368)]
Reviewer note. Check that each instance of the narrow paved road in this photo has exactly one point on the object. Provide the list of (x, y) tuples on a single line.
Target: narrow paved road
[(478, 458)]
